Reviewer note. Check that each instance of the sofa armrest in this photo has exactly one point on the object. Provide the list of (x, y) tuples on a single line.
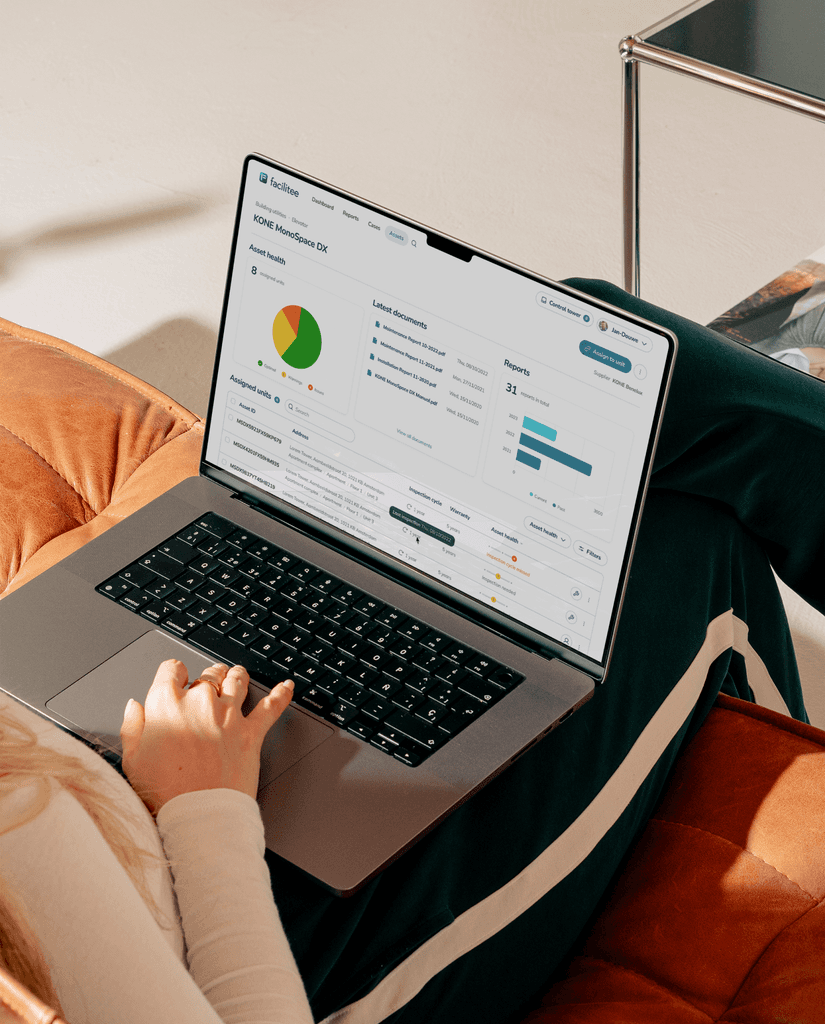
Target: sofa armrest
[(82, 444)]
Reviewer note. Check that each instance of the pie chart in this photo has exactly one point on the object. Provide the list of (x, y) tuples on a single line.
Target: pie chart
[(297, 337)]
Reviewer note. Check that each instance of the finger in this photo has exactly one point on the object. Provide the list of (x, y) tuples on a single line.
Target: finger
[(213, 676), (172, 675), (236, 684), (131, 730), (267, 712)]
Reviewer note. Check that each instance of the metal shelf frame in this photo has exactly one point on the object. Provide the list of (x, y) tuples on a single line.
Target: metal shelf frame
[(635, 51)]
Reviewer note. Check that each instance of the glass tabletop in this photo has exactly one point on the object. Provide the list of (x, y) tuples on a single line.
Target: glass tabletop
[(777, 41)]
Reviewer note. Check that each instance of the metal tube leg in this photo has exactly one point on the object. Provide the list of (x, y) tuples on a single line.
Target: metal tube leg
[(630, 168)]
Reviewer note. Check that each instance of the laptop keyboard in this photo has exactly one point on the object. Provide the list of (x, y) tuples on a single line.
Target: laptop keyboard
[(358, 663)]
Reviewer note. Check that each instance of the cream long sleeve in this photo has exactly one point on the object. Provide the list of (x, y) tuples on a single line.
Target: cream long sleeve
[(109, 958)]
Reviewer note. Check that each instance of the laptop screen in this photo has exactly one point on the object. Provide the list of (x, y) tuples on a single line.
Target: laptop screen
[(453, 413)]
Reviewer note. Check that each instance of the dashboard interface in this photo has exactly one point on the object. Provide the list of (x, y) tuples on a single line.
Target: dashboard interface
[(457, 415)]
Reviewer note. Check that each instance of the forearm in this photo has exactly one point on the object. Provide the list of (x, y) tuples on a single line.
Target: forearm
[(238, 953)]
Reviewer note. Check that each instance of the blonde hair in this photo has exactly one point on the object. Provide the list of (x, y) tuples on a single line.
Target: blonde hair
[(25, 762)]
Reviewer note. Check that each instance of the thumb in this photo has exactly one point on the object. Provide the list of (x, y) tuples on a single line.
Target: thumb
[(132, 728)]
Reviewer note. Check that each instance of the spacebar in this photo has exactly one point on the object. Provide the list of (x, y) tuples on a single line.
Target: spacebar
[(232, 653)]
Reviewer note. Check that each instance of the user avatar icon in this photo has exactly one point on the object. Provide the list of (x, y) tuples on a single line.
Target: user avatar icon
[(602, 325)]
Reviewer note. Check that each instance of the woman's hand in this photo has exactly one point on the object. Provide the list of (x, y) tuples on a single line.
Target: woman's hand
[(194, 736)]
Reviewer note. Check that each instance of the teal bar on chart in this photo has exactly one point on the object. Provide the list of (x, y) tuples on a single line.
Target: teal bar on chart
[(539, 428)]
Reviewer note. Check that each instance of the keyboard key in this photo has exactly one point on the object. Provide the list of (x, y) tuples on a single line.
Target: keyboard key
[(135, 599), (241, 539), (115, 588), (211, 592), (427, 660), (407, 649), (353, 694), (326, 584), (215, 524), (317, 650), (341, 713), (436, 641), (181, 624), (163, 565), (414, 630), (505, 677), (232, 557), (315, 602), (161, 590), (314, 700), (189, 580), (242, 587), (459, 653), (401, 671), (244, 634), (416, 729), (376, 708), (383, 686), (330, 682), (157, 611), (224, 576), (231, 603), (407, 756), (253, 615), (387, 745), (431, 711), (391, 617), (452, 673), (202, 611), (303, 572), (203, 564), (266, 648), (481, 689), (481, 665), (212, 546), (346, 594), (191, 535), (409, 701), (358, 727), (341, 662), (376, 659), (364, 676), (137, 576), (176, 549), (368, 606), (262, 549)]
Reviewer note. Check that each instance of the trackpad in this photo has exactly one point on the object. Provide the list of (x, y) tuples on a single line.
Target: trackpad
[(95, 703)]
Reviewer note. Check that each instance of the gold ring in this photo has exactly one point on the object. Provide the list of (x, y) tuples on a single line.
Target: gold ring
[(211, 682)]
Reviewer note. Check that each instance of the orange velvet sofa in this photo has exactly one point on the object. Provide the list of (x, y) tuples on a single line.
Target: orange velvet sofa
[(718, 914)]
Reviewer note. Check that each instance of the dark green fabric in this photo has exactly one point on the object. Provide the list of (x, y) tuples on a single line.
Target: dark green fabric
[(739, 478)]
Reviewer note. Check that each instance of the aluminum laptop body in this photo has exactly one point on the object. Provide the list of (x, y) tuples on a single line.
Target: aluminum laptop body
[(463, 441)]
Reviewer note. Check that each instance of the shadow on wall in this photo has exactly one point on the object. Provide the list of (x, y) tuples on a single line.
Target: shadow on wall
[(14, 250), (176, 356)]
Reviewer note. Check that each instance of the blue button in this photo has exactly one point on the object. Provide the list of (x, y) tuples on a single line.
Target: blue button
[(604, 355)]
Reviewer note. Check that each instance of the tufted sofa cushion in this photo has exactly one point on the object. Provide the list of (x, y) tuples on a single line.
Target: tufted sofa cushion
[(719, 915), (82, 444)]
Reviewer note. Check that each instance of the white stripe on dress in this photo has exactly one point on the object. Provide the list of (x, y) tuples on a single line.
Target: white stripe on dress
[(576, 843)]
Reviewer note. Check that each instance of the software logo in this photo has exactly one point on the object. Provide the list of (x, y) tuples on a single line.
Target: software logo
[(262, 177)]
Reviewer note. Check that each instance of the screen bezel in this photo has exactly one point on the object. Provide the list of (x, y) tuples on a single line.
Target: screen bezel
[(387, 565)]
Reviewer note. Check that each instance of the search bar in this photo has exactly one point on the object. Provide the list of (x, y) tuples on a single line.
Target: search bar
[(320, 422)]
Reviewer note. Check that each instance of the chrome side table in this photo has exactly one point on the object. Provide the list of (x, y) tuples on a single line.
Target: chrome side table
[(773, 50)]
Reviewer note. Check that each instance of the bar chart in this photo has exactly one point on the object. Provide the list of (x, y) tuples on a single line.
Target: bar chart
[(561, 457)]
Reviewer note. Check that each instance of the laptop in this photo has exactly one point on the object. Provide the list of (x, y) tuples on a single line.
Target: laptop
[(421, 480)]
